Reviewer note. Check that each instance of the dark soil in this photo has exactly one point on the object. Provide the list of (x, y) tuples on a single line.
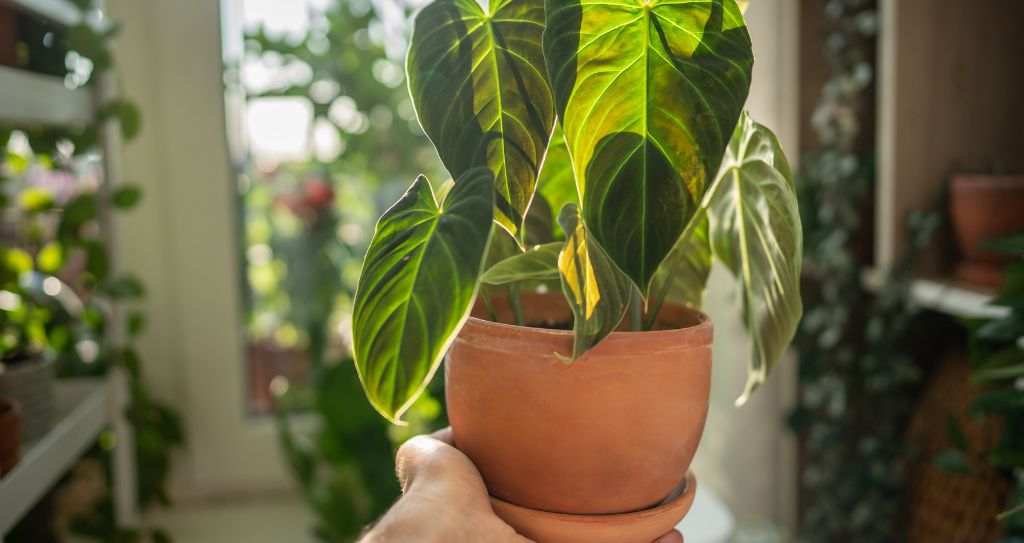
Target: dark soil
[(548, 325)]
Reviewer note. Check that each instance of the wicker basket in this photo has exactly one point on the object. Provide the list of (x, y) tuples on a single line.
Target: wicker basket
[(942, 506), (30, 383)]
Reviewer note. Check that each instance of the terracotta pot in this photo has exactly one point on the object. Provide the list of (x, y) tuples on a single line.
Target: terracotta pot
[(30, 383), (639, 527), (984, 207), (10, 434), (8, 36), (612, 432)]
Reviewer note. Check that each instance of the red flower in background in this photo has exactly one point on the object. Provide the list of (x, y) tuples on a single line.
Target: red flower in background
[(314, 196)]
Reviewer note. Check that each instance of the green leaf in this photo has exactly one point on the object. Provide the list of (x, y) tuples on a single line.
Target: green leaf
[(1000, 373), (17, 260), (756, 233), (50, 257), (648, 94), (124, 287), (35, 200), (597, 291), (1010, 245), (127, 196), (955, 434), (418, 284), (479, 85), (557, 183), (953, 462), (80, 210), (999, 401), (539, 263), (136, 323), (683, 276), (540, 222)]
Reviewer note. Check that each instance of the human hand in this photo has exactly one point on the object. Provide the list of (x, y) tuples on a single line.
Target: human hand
[(444, 499)]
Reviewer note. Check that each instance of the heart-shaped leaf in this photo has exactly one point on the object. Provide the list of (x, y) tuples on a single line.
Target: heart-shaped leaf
[(479, 85), (418, 284), (539, 263), (597, 291), (683, 276), (756, 233), (557, 183), (648, 93)]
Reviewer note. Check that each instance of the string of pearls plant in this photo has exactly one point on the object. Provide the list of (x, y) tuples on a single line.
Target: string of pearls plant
[(851, 343)]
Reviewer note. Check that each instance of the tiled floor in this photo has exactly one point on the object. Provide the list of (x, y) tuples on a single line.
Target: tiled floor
[(278, 521)]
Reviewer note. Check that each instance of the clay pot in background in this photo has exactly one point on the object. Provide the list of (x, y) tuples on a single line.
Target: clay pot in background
[(30, 383), (612, 432), (10, 434), (8, 36), (984, 207)]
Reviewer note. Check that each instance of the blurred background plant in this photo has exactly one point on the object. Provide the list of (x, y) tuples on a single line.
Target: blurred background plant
[(330, 137), (854, 347), (56, 288), (997, 377)]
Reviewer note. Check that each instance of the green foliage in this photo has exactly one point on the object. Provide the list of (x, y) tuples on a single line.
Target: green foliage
[(487, 70), (647, 96), (857, 373), (684, 275), (54, 269), (538, 263), (418, 285), (755, 231), (997, 357), (354, 450), (598, 293), (127, 196)]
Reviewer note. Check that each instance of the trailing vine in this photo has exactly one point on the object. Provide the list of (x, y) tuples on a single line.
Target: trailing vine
[(853, 344)]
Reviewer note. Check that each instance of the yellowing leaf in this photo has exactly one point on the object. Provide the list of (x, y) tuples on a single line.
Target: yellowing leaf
[(597, 291), (576, 267)]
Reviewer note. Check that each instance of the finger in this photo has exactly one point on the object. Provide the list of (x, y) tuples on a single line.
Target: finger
[(419, 457), (672, 537), (444, 435)]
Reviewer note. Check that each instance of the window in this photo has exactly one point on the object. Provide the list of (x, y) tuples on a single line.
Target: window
[(323, 135)]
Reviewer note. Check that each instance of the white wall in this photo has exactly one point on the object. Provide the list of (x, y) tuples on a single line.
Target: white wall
[(181, 241)]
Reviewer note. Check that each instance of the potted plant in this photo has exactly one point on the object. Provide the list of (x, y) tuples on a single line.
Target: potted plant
[(27, 375), (578, 379), (984, 207)]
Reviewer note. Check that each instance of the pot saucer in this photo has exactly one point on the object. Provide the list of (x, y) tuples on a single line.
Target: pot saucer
[(636, 527)]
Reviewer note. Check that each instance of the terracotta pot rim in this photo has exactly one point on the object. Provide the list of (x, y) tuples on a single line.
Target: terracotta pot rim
[(683, 501)]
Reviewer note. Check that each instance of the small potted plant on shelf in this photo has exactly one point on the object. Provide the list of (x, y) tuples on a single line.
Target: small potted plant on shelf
[(601, 159), (984, 206), (27, 374)]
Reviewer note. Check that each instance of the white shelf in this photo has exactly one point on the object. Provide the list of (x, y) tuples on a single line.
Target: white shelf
[(946, 296), (62, 12), (82, 412), (33, 99)]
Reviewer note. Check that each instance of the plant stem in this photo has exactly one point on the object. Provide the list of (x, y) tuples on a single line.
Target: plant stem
[(636, 312), (486, 297), (515, 302)]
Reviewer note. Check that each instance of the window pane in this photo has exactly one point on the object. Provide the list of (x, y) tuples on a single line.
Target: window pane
[(325, 138)]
